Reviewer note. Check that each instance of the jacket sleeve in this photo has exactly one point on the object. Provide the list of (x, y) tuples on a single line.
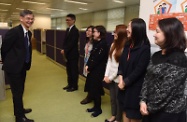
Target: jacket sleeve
[(114, 72), (143, 94), (140, 68), (7, 43)]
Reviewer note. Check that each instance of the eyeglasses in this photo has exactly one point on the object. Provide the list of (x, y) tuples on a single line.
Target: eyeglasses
[(88, 30), (68, 19), (28, 18)]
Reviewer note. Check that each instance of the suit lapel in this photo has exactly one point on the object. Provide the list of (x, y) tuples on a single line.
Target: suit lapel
[(21, 32)]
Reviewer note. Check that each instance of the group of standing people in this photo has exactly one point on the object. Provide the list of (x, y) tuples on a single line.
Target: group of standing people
[(142, 88)]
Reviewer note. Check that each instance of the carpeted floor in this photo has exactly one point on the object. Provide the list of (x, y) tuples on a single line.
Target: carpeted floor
[(44, 94)]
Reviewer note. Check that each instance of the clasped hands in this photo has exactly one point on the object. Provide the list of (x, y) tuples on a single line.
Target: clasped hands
[(121, 83)]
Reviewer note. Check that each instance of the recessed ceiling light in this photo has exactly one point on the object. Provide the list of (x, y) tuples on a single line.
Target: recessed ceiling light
[(5, 4), (3, 10), (33, 2), (76, 2), (55, 9), (84, 9), (24, 9), (118, 1), (19, 8)]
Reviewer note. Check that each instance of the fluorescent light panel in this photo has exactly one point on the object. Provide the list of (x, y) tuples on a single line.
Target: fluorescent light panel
[(24, 9), (33, 2), (55, 9), (3, 10), (19, 8), (5, 4), (84, 9), (118, 1), (76, 2)]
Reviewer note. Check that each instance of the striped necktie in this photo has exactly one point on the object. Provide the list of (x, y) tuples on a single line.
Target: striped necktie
[(27, 57)]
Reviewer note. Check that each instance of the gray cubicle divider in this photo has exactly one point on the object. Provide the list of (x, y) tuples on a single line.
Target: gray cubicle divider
[(2, 79)]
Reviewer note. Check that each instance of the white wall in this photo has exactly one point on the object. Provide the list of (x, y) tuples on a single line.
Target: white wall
[(42, 21), (146, 8)]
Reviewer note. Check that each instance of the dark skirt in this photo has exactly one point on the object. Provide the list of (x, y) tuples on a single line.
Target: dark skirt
[(94, 84)]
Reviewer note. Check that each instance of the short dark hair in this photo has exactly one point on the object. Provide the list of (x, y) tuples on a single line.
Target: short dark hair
[(139, 34), (25, 12), (102, 31), (173, 30), (72, 16)]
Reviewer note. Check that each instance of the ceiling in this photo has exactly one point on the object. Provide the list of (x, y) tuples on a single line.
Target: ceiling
[(11, 11)]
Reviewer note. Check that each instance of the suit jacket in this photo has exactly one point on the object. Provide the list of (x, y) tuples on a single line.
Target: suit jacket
[(13, 51), (70, 45)]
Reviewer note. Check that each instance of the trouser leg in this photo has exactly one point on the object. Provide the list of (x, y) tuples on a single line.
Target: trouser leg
[(17, 82)]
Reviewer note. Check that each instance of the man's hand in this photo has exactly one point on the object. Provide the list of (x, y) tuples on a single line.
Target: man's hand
[(62, 52), (86, 68)]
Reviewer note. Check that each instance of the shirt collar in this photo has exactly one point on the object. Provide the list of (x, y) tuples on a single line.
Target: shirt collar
[(24, 30), (70, 27)]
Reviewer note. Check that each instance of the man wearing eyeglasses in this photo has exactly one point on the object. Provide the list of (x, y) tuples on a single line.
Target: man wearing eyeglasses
[(70, 51), (16, 54)]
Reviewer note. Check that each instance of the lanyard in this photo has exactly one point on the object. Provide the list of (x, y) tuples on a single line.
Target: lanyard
[(87, 48), (128, 57)]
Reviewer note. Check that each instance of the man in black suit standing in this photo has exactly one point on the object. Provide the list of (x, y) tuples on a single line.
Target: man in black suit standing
[(70, 51), (16, 54)]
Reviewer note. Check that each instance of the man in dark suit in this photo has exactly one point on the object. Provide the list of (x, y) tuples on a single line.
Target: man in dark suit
[(70, 51), (16, 54)]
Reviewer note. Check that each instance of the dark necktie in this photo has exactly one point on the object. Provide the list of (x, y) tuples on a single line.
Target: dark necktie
[(68, 30), (27, 57)]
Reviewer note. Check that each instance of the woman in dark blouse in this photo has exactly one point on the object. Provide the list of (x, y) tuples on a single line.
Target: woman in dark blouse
[(164, 91), (132, 68), (95, 68)]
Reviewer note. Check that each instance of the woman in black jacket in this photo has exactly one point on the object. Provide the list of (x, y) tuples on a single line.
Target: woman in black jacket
[(132, 68), (95, 68)]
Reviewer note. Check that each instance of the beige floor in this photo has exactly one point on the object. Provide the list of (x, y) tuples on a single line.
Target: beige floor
[(44, 94)]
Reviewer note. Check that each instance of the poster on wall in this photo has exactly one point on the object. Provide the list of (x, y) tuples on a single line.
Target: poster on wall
[(184, 6), (166, 9), (164, 6)]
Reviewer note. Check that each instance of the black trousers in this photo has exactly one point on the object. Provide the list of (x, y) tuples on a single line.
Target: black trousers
[(165, 117), (115, 107), (72, 72), (96, 97), (17, 83), (97, 102)]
